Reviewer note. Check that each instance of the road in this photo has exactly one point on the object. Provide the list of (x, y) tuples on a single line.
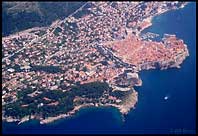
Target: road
[(43, 36)]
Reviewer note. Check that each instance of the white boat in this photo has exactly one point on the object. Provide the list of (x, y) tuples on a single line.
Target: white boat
[(166, 98)]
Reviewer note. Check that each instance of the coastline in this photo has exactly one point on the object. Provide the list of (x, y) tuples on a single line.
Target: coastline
[(122, 109), (178, 84)]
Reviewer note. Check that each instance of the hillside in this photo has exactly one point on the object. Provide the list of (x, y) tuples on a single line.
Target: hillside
[(18, 16)]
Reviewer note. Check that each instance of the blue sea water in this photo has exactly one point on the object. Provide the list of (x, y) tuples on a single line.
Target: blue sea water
[(153, 114)]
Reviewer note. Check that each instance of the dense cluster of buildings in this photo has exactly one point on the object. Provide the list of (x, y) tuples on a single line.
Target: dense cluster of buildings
[(78, 46)]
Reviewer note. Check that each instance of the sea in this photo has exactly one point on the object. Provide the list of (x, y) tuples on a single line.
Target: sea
[(166, 101)]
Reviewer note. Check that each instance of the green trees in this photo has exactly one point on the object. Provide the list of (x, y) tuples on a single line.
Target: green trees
[(120, 94), (34, 14), (15, 110), (24, 92), (92, 91)]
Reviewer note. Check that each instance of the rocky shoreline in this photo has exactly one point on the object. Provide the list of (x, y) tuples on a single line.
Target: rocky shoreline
[(127, 103), (162, 65), (124, 108)]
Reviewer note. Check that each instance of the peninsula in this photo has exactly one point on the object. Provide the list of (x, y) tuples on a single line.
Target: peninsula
[(91, 58)]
